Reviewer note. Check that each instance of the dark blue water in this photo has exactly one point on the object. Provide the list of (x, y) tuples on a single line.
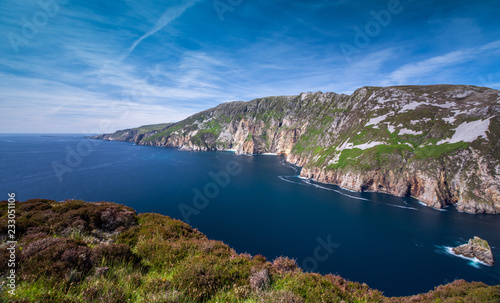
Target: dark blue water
[(392, 244)]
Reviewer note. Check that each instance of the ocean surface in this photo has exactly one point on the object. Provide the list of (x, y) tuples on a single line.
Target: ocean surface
[(259, 205)]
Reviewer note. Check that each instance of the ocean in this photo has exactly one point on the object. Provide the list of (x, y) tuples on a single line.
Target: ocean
[(258, 205)]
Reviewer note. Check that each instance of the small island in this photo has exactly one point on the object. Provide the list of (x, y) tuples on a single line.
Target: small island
[(476, 248)]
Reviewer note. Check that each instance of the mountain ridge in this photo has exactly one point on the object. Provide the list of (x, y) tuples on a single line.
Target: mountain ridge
[(437, 143)]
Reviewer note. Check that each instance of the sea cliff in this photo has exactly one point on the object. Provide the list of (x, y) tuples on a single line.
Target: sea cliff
[(439, 144)]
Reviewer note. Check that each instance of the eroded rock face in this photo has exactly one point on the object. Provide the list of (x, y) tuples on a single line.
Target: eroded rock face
[(439, 144), (476, 248)]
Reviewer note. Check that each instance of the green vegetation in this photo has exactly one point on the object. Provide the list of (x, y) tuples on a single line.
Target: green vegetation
[(480, 242), (172, 129), (411, 121), (347, 157), (103, 252), (149, 128), (436, 151)]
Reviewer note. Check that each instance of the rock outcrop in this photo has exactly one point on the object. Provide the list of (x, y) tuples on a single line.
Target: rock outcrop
[(439, 144), (476, 248)]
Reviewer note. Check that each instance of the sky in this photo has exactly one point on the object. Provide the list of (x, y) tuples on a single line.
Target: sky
[(94, 66)]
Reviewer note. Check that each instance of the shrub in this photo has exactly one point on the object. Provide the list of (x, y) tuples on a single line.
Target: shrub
[(199, 281), (203, 276), (259, 258), (259, 280), (112, 217), (98, 293), (279, 297), (313, 287), (34, 234), (165, 228), (246, 256), (87, 217), (71, 216), (163, 254), (156, 285), (284, 264), (55, 257), (129, 236), (112, 253)]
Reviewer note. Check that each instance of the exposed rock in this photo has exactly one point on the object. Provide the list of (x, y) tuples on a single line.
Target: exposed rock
[(439, 144), (476, 248)]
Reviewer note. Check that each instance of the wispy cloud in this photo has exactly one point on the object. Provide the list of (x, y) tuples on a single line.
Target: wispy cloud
[(71, 74), (168, 16), (426, 68)]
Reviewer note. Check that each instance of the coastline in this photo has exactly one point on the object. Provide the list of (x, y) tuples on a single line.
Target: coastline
[(286, 159)]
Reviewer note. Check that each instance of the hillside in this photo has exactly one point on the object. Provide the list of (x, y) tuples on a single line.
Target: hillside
[(439, 144), (136, 134), (75, 251)]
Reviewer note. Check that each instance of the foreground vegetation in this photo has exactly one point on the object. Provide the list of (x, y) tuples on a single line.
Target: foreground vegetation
[(75, 251)]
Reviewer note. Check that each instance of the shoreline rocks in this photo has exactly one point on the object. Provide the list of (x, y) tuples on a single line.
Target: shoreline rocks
[(476, 248)]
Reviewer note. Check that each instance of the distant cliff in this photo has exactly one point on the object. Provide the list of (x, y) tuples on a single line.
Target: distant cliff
[(439, 144)]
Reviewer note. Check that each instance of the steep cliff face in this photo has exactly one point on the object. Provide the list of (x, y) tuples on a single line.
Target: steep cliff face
[(134, 134), (439, 144)]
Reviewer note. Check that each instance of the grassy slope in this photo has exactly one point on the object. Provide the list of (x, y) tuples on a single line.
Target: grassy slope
[(147, 128), (333, 121), (103, 252), (324, 122), (142, 129)]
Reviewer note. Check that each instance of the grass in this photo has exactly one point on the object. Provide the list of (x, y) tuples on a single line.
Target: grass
[(119, 256), (148, 128), (482, 243), (436, 151), (164, 133)]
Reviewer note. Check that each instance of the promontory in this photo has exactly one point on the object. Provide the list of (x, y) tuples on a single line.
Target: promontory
[(439, 144)]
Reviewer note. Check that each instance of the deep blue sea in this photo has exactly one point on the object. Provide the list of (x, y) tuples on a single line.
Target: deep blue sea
[(259, 205)]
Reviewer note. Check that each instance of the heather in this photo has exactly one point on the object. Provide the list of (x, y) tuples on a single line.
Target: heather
[(75, 251)]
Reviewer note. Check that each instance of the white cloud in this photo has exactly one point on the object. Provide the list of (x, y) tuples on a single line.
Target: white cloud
[(427, 67), (168, 16), (73, 109)]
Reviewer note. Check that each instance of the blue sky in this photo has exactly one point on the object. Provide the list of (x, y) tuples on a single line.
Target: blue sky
[(98, 66)]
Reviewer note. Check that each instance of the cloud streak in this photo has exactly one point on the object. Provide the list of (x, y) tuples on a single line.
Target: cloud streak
[(426, 68), (168, 16), (72, 75)]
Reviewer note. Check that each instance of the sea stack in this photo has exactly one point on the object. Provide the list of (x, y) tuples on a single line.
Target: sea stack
[(476, 248)]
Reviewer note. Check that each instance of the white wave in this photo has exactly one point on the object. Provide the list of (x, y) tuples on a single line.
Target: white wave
[(334, 190), (406, 207), (285, 163), (438, 209), (353, 197), (474, 262), (283, 178), (269, 154)]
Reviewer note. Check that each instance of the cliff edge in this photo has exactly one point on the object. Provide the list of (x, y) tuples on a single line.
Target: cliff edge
[(75, 251), (439, 144)]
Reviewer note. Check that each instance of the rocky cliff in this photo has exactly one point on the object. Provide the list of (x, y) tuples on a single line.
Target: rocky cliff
[(439, 144), (476, 248)]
